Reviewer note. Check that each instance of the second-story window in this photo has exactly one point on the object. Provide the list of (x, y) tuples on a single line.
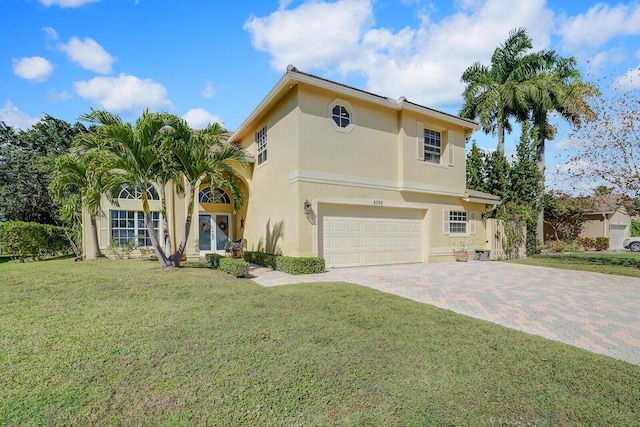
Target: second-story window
[(341, 116), (432, 146), (261, 145)]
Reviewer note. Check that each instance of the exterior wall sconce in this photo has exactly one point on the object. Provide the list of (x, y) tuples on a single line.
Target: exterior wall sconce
[(484, 216), (307, 207)]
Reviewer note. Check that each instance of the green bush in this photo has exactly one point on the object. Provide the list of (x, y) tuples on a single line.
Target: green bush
[(213, 260), (22, 240), (291, 265), (261, 258), (635, 228), (300, 265), (587, 243), (235, 267), (602, 243)]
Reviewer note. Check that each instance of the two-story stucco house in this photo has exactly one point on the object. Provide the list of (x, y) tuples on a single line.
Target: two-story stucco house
[(344, 174)]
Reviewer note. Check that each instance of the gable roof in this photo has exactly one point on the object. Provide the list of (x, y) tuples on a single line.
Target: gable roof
[(294, 76)]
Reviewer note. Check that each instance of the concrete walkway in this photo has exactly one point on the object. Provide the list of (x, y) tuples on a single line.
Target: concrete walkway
[(596, 312)]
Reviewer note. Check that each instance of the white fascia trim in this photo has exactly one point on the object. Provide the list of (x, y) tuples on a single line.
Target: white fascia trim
[(378, 184), (485, 201)]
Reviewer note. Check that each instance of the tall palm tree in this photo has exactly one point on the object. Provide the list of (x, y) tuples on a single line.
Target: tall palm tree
[(76, 171), (204, 157), (496, 93), (132, 155)]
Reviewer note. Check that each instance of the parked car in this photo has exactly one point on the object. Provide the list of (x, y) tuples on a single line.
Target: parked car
[(633, 244)]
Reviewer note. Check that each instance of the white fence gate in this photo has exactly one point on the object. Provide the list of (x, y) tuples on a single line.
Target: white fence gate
[(495, 237)]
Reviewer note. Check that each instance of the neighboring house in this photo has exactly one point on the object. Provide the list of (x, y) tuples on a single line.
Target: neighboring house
[(340, 173), (609, 219)]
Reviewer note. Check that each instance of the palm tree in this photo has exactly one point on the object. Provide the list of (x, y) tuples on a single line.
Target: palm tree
[(497, 93), (132, 155), (75, 171), (204, 157)]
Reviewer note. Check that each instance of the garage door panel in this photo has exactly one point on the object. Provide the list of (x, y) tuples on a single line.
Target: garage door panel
[(356, 236)]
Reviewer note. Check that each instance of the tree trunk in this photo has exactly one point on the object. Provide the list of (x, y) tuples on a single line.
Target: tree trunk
[(500, 137), (94, 236), (177, 257), (541, 168), (164, 261)]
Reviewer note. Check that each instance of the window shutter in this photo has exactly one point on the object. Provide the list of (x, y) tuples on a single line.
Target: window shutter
[(420, 140), (450, 146), (445, 221), (472, 222), (103, 229)]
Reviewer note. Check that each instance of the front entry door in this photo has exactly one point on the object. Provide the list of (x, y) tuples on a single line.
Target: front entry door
[(214, 231)]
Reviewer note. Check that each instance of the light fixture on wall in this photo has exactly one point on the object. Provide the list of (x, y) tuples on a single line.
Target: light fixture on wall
[(307, 207)]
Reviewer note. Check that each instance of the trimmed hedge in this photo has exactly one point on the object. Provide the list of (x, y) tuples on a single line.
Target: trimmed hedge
[(602, 243), (235, 267), (22, 240), (286, 264)]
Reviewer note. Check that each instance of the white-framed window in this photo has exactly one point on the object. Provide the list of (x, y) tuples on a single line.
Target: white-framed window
[(341, 115), (131, 226), (134, 192), (459, 222), (261, 145), (217, 195), (432, 146)]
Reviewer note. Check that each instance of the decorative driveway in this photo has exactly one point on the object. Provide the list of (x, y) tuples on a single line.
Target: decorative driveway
[(593, 311)]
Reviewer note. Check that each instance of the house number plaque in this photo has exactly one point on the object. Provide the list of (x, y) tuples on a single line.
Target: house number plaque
[(378, 203)]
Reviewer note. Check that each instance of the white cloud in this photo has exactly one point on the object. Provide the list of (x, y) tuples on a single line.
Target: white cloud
[(35, 68), (88, 54), (58, 96), (122, 93), (422, 63), (66, 3), (628, 82), (199, 118), (15, 118), (600, 24), (313, 35), (209, 91)]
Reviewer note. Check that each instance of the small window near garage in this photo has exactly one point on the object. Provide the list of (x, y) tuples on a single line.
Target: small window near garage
[(457, 222), (342, 115)]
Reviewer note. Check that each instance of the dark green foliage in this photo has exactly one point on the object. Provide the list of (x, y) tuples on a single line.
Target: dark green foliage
[(213, 260), (26, 166), (290, 265), (261, 258), (565, 214), (235, 267), (476, 172), (23, 240), (602, 243), (635, 228), (300, 265)]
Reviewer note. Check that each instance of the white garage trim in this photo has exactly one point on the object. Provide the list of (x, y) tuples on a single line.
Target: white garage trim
[(370, 235)]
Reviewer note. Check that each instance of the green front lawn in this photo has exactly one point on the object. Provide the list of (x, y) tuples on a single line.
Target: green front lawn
[(124, 343), (622, 264)]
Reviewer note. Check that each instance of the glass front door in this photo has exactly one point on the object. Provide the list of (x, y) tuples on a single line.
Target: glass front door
[(214, 231)]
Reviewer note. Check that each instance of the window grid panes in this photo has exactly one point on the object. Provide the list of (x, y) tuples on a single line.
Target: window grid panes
[(432, 146), (218, 195), (457, 222), (341, 116), (134, 192), (131, 226), (261, 144)]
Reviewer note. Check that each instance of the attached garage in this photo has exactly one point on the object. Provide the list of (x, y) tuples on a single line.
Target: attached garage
[(616, 236), (366, 235)]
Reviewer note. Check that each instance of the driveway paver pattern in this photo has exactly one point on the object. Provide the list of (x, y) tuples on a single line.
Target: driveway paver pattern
[(593, 311)]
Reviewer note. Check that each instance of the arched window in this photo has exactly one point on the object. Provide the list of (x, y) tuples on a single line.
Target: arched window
[(134, 192), (218, 195)]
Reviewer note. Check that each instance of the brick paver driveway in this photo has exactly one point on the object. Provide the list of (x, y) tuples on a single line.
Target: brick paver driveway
[(597, 312)]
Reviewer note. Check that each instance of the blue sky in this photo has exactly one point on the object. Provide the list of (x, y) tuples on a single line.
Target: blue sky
[(208, 60)]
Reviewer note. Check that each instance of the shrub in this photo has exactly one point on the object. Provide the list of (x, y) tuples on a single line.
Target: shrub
[(295, 265), (602, 243), (22, 240), (587, 243), (572, 246), (235, 267), (291, 265), (213, 260), (635, 228)]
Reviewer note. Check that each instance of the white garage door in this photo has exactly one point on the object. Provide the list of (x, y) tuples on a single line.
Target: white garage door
[(616, 236), (353, 236)]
